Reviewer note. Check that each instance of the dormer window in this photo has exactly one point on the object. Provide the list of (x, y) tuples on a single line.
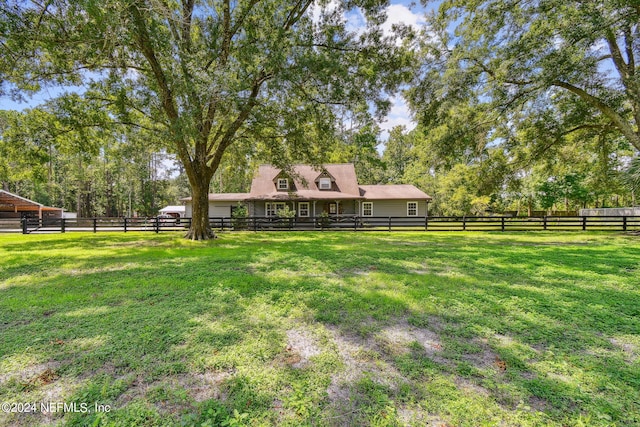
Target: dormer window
[(283, 184), (324, 184)]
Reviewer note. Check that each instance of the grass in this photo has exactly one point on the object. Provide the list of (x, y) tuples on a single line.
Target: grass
[(290, 329)]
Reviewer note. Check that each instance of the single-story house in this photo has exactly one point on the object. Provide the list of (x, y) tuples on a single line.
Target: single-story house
[(310, 191), (14, 206)]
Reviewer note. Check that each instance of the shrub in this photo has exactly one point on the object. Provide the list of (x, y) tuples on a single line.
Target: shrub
[(286, 213), (239, 217)]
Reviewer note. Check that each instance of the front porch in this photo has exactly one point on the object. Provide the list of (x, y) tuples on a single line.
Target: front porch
[(304, 209)]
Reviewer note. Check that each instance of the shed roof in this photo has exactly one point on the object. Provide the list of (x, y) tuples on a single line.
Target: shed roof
[(14, 201), (171, 208), (223, 197)]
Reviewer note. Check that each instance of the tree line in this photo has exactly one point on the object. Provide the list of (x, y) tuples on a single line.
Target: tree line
[(93, 173)]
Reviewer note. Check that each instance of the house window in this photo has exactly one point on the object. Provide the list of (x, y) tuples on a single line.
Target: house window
[(283, 184), (367, 209), (325, 184), (303, 209), (412, 208), (271, 209), (333, 208)]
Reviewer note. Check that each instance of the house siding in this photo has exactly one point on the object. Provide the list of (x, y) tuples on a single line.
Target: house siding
[(395, 208), (381, 208), (216, 209), (220, 209)]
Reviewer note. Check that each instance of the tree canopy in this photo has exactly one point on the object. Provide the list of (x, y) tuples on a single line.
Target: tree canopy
[(550, 67), (204, 75)]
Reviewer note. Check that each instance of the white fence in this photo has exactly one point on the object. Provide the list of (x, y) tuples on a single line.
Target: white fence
[(635, 211)]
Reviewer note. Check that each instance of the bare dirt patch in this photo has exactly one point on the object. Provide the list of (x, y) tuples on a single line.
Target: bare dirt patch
[(198, 387), (486, 358), (41, 373), (417, 417), (631, 351), (372, 357), (301, 346), (39, 383), (204, 386), (359, 356), (400, 335)]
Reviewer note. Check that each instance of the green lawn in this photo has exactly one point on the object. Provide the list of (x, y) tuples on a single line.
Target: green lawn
[(345, 329)]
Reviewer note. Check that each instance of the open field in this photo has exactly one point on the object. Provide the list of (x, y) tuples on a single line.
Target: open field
[(311, 328)]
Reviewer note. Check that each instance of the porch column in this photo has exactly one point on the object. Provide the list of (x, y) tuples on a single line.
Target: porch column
[(314, 208)]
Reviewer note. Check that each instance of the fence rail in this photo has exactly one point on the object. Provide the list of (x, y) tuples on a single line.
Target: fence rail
[(346, 223)]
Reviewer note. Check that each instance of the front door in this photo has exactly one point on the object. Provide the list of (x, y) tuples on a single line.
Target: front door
[(333, 208)]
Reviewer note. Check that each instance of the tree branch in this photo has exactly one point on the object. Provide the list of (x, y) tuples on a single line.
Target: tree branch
[(227, 138), (585, 126), (327, 46), (616, 55), (618, 121), (296, 13), (168, 102), (628, 40), (493, 74), (187, 15)]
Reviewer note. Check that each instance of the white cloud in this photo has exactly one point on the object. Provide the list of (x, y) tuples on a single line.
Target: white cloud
[(399, 115), (316, 10), (401, 14), (356, 21)]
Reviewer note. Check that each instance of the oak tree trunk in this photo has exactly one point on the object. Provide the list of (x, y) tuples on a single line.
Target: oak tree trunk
[(200, 228)]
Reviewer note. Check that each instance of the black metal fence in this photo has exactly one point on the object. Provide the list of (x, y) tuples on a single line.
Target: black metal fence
[(346, 223)]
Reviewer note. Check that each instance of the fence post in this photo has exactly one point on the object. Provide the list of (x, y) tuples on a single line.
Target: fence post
[(255, 224), (624, 223), (389, 224), (502, 223), (584, 223), (24, 225), (157, 224), (426, 223), (62, 225), (544, 223), (95, 225), (355, 223), (125, 224), (464, 223)]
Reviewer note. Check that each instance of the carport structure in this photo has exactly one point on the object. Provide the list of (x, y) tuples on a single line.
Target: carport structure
[(14, 206)]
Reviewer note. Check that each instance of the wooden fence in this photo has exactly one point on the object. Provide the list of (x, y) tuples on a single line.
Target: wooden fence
[(492, 223)]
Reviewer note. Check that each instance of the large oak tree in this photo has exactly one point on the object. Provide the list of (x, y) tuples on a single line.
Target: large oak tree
[(549, 67), (206, 74)]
